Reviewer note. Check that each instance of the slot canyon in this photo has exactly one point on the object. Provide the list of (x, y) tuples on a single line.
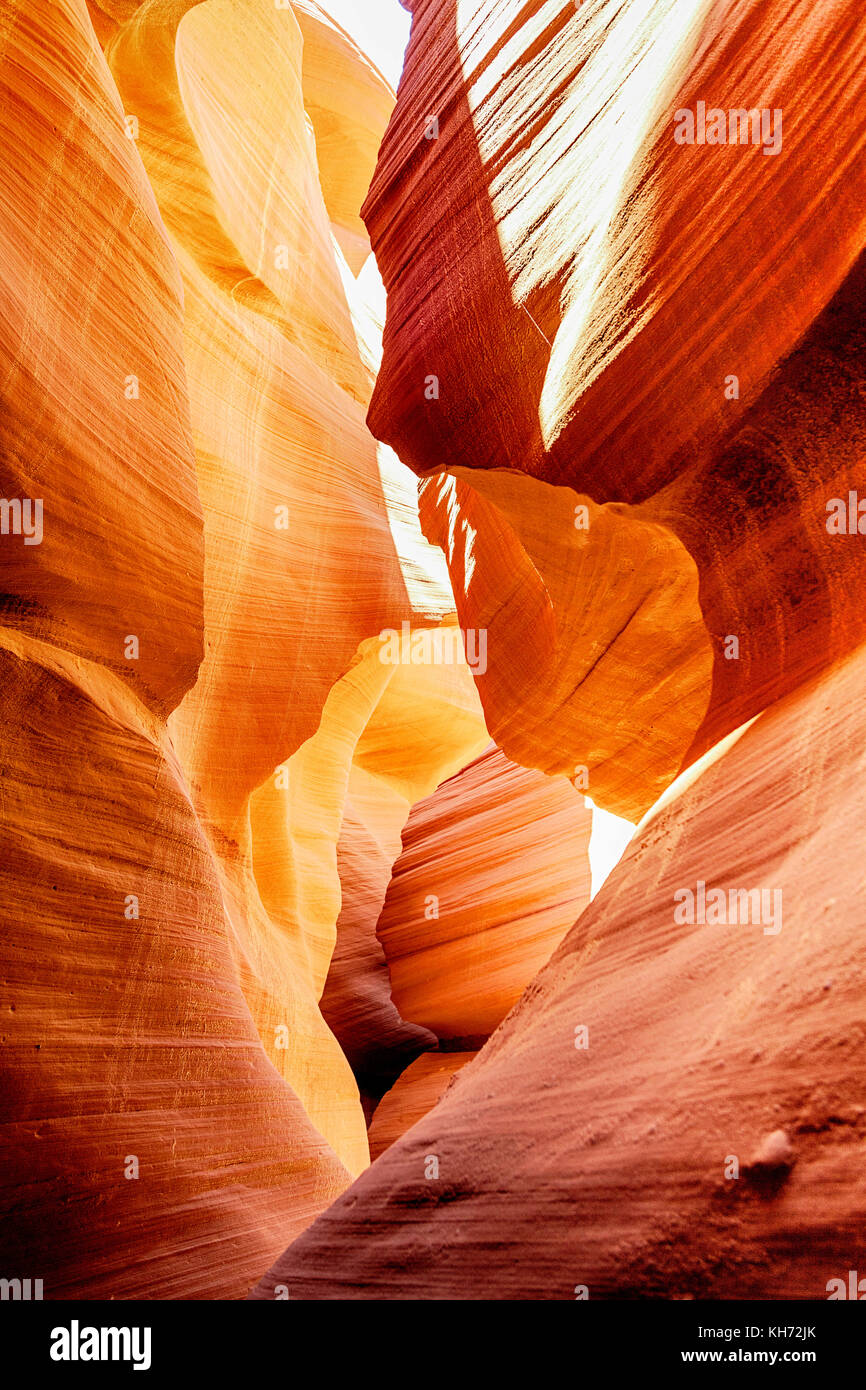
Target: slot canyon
[(433, 740)]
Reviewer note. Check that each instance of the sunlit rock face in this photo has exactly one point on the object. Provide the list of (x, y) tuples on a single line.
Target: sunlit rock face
[(464, 935), (628, 369), (138, 1100), (301, 568), (434, 946), (613, 1137), (143, 1125), (91, 315), (348, 109), (598, 664), (215, 541), (231, 660), (572, 294), (273, 903)]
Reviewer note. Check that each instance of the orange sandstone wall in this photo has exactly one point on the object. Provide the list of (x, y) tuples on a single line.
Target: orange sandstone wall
[(590, 1143), (571, 294), (630, 376), (190, 654)]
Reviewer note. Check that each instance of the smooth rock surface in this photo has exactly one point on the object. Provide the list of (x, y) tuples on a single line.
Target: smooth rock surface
[(574, 295), (608, 1165)]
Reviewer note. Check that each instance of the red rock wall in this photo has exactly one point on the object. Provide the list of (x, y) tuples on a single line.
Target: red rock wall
[(672, 1109), (158, 980), (464, 933), (229, 809), (605, 1165), (188, 353), (582, 287)]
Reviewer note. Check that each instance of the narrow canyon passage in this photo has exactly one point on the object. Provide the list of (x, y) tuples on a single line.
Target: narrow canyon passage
[(433, 442)]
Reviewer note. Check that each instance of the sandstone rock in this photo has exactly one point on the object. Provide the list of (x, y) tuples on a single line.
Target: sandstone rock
[(259, 852), (173, 390), (594, 636), (301, 565), (465, 934), (609, 1164), (356, 1001), (418, 1089), (95, 425), (665, 327), (142, 1122), (349, 104)]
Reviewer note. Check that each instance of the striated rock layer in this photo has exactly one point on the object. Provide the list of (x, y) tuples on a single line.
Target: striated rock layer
[(301, 568), (266, 881), (419, 1088), (464, 934), (459, 936), (142, 1121), (669, 331), (603, 1159), (191, 662)]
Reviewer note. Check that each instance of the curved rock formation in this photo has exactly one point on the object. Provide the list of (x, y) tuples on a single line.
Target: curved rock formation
[(465, 933), (187, 367), (357, 1001), (272, 901), (142, 1123), (664, 325), (96, 431), (419, 1088), (301, 566), (139, 1104), (349, 111), (458, 938), (613, 1132), (593, 630), (629, 369)]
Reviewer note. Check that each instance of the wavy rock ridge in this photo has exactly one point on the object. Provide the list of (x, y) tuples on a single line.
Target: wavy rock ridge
[(207, 761), (630, 373), (299, 751)]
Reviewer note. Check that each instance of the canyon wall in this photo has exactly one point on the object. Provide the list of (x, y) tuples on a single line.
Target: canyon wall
[(322, 637), (629, 369), (208, 756), (672, 1110)]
